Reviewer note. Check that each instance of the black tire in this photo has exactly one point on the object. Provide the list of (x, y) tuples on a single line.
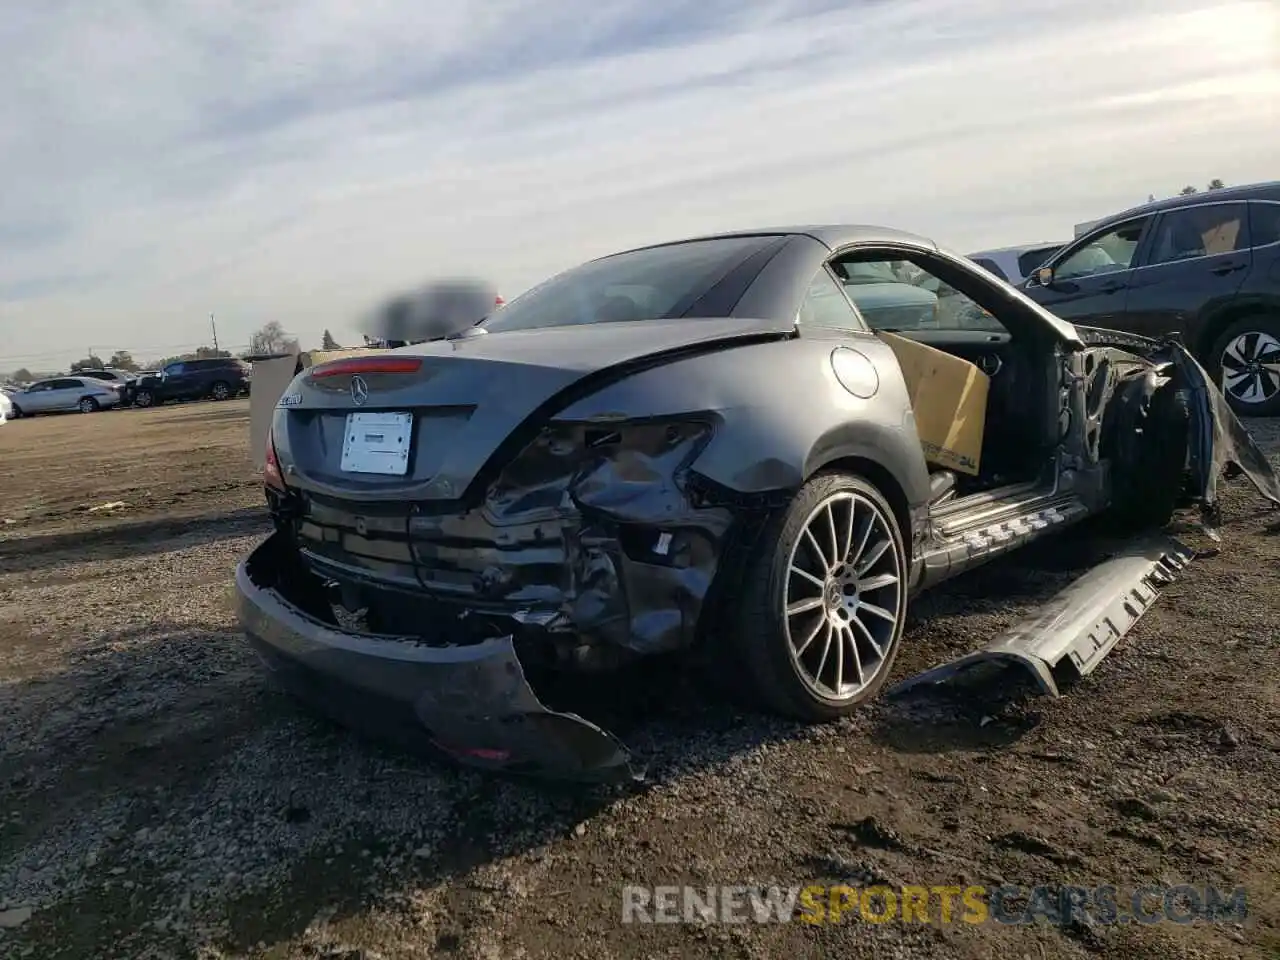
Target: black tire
[(765, 647), (143, 399), (220, 391), (17, 412), (1251, 331), (88, 405), (1147, 494)]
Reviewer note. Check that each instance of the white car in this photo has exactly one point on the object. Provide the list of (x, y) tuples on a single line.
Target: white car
[(6, 407), (65, 394), (1015, 264)]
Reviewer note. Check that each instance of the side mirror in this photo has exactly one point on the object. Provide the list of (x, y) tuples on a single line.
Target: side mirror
[(1044, 276)]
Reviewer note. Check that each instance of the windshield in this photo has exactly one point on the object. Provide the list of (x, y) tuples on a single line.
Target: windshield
[(657, 283)]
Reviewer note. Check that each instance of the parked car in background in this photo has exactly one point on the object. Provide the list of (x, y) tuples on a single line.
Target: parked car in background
[(1204, 266), (66, 394), (6, 407), (216, 378), (1015, 264), (124, 378)]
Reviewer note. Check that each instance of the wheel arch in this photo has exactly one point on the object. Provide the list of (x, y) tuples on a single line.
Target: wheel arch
[(883, 479), (1221, 319)]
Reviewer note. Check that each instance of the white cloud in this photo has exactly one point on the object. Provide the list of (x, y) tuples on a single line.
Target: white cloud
[(296, 161)]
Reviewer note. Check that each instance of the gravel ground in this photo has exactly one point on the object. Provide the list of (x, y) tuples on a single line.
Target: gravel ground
[(158, 797)]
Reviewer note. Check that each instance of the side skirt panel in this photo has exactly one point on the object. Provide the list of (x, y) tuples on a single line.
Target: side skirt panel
[(965, 542), (1071, 634)]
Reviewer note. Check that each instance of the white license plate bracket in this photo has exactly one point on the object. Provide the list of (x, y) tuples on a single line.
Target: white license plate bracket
[(377, 443)]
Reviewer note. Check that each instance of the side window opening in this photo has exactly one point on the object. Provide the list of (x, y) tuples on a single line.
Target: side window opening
[(1107, 252), (1264, 223), (900, 295), (1205, 231)]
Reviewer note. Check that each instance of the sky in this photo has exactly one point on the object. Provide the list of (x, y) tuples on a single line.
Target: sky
[(300, 160)]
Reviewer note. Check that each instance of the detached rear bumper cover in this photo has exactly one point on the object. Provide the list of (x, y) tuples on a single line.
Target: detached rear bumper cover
[(471, 701)]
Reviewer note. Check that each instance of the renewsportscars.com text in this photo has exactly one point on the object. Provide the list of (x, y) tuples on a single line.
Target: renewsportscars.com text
[(822, 904)]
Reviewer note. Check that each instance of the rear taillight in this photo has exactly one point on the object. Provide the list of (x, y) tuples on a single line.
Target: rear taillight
[(354, 365), (271, 474)]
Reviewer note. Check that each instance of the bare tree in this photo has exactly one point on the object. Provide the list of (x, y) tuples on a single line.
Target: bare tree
[(272, 338), (1215, 184), (23, 375), (89, 363), (1187, 191), (328, 343)]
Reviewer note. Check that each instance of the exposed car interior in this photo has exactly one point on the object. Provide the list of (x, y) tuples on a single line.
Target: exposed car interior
[(1013, 449)]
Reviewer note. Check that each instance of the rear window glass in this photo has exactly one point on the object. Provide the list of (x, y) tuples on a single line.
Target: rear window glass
[(1030, 260), (654, 284), (991, 267)]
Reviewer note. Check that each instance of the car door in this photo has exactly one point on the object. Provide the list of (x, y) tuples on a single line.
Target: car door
[(1197, 260), (64, 394), (58, 396), (37, 398), (1091, 277), (175, 383)]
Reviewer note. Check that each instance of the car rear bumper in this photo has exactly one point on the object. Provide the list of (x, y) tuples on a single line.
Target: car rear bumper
[(471, 701)]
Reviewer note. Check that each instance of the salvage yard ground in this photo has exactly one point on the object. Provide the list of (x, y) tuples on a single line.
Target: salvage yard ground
[(159, 798)]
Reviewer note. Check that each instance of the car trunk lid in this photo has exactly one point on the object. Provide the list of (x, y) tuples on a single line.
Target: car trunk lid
[(433, 415)]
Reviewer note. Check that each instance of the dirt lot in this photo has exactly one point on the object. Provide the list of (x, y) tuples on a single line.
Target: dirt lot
[(159, 798)]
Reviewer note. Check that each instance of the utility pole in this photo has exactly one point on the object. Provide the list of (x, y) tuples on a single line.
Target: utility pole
[(214, 326)]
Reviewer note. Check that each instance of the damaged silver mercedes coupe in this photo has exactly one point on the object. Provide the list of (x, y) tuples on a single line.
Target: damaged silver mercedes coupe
[(769, 441)]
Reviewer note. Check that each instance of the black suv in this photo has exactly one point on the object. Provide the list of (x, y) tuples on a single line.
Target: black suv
[(1205, 266), (219, 378)]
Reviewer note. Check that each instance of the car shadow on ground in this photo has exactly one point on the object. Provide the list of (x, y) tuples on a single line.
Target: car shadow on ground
[(39, 552)]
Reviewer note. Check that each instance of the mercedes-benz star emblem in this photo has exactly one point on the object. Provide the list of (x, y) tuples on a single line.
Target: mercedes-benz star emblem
[(359, 391)]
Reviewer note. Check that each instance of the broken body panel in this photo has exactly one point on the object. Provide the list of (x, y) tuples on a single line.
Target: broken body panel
[(1069, 636)]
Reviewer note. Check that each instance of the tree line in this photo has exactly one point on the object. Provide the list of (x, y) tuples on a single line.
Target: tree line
[(270, 338), (1188, 190)]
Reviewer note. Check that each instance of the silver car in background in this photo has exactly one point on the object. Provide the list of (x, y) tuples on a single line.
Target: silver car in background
[(66, 395)]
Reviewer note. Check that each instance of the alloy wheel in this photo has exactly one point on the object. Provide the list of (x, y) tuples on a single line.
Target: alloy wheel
[(844, 596), (1251, 368)]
